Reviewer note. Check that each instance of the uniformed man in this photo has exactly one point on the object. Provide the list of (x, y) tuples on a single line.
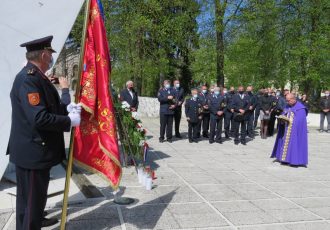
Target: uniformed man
[(179, 95), (258, 108), (278, 105), (193, 109), (36, 144), (240, 106), (229, 124), (205, 123), (250, 111), (217, 106), (166, 97)]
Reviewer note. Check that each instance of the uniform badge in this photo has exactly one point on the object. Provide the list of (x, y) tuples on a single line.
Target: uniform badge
[(34, 98)]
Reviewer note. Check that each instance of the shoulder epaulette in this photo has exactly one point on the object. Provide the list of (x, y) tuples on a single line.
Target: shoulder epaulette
[(31, 71)]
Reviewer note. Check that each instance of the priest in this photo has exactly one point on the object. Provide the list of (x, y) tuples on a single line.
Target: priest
[(291, 145)]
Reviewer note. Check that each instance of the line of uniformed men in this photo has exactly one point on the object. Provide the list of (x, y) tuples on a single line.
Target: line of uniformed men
[(208, 112)]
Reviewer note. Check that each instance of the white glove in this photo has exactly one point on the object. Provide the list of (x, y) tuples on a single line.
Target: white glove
[(75, 119), (73, 107)]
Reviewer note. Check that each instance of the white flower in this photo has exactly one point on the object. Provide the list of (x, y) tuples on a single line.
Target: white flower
[(125, 105), (135, 115)]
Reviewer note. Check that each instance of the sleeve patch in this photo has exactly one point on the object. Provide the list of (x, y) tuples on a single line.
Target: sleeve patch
[(34, 98)]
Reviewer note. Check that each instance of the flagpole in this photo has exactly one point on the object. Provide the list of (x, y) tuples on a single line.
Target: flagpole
[(77, 94)]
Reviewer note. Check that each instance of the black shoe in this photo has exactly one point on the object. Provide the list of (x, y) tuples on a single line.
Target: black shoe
[(195, 141), (236, 142), (211, 141), (161, 140), (178, 136), (169, 140), (243, 142), (48, 222), (206, 135), (219, 141), (227, 136), (251, 136), (190, 141), (321, 130)]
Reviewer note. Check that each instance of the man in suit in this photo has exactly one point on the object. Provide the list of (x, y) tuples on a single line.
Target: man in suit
[(240, 106), (167, 100), (205, 123), (179, 95), (217, 106), (250, 111), (278, 104), (229, 123), (130, 96), (36, 143), (193, 113)]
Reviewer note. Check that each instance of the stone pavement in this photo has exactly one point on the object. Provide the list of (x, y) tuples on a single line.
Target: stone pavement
[(203, 186)]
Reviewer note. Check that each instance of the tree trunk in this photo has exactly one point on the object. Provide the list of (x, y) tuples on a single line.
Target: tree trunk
[(220, 47)]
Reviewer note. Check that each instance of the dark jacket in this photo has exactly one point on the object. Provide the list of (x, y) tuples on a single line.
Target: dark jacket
[(228, 101), (325, 103), (192, 109), (203, 98), (266, 103), (241, 103), (278, 104), (179, 95), (216, 104), (126, 96), (39, 118), (165, 103)]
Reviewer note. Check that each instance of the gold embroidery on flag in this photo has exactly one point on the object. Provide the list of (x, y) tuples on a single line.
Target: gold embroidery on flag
[(287, 137)]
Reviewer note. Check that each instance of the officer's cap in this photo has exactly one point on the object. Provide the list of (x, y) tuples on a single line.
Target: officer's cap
[(39, 44)]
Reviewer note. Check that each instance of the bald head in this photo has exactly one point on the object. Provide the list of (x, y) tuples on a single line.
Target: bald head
[(291, 99)]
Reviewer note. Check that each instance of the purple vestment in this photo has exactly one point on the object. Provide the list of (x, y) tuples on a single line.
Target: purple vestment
[(291, 142)]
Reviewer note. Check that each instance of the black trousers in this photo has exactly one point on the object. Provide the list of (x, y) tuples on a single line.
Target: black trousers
[(271, 123), (250, 123), (192, 130), (324, 115), (177, 120), (215, 128), (237, 126), (166, 124), (32, 186), (204, 124), (256, 116), (229, 123)]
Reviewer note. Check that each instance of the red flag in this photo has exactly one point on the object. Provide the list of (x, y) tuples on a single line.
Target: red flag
[(95, 141)]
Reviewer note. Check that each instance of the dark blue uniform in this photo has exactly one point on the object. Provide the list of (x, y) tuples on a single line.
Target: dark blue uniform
[(229, 123), (179, 95), (132, 100), (216, 104), (278, 104), (257, 110), (240, 101), (205, 122), (36, 141), (193, 109), (166, 113), (250, 114)]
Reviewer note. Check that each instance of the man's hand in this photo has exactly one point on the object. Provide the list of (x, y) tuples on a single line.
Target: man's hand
[(75, 119), (180, 103), (232, 110), (172, 106), (73, 107), (206, 106), (251, 107), (219, 113), (242, 111), (200, 117), (133, 109), (170, 97), (188, 118), (63, 82), (326, 110), (267, 112)]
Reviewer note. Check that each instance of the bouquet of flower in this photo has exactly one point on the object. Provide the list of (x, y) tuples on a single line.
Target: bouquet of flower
[(134, 135)]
